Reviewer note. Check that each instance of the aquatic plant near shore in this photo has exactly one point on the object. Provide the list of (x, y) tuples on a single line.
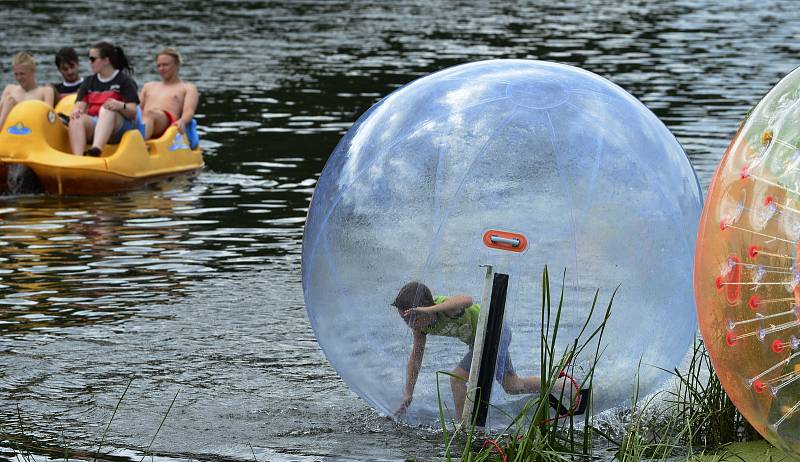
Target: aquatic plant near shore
[(710, 418), (26, 448), (695, 418), (690, 421), (534, 435)]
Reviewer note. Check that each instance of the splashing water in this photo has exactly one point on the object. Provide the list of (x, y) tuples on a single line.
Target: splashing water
[(21, 180)]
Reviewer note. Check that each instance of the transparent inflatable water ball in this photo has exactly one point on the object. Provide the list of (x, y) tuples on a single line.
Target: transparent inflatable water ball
[(515, 164), (747, 272)]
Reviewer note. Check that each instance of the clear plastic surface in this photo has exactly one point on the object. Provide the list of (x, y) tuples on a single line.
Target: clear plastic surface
[(595, 183)]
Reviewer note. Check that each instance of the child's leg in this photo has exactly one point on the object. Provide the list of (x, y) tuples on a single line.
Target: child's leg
[(516, 385), (458, 385), (507, 376)]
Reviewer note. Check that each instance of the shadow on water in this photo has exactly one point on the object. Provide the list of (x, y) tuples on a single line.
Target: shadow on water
[(195, 286)]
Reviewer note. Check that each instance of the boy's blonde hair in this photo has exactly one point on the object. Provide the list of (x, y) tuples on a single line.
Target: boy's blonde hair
[(169, 51), (23, 59)]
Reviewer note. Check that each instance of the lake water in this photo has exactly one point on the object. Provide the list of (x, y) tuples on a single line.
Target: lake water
[(191, 291)]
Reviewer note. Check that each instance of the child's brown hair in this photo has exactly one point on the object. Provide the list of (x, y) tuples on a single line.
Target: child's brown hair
[(412, 295)]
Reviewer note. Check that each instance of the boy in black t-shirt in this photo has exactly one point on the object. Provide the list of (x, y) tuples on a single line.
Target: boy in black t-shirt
[(69, 68)]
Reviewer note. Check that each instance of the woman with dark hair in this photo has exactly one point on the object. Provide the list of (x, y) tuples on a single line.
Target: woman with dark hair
[(106, 102)]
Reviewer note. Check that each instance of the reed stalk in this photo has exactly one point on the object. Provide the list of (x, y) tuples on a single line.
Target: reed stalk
[(534, 435)]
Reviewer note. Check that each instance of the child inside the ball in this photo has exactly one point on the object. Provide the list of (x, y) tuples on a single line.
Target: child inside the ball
[(456, 316)]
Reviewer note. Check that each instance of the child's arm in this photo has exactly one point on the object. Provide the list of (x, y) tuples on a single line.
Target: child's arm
[(412, 370), (453, 306)]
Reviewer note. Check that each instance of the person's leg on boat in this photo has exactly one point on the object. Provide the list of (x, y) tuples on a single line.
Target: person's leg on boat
[(80, 130), (11, 95), (155, 121), (108, 123)]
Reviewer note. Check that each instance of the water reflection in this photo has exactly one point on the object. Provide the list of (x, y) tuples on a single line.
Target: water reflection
[(76, 261)]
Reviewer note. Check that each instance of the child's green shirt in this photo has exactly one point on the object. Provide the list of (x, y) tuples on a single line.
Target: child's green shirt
[(462, 327)]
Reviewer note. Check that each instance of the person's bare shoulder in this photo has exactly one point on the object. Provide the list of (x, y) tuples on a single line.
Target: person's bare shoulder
[(41, 93), (149, 85), (188, 88), (12, 87)]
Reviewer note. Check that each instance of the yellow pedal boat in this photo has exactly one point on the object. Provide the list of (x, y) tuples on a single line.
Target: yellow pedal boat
[(34, 136)]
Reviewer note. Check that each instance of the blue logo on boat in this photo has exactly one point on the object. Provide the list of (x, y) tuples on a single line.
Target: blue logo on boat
[(19, 129), (178, 143)]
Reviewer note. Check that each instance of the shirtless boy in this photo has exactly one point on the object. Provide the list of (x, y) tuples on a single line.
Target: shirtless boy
[(25, 72), (170, 101)]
